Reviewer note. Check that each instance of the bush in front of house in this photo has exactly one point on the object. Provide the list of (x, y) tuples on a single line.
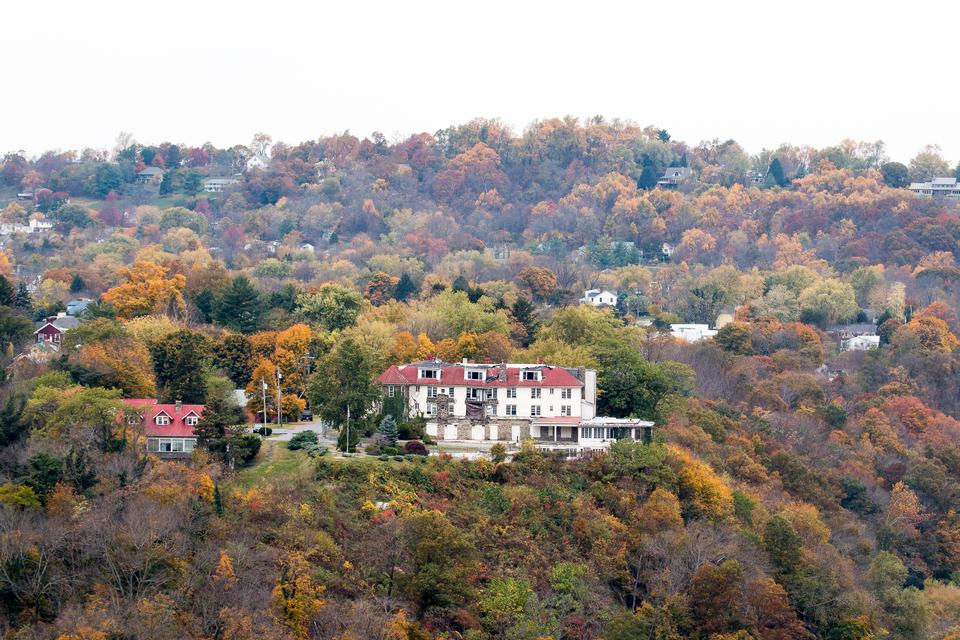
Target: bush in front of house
[(263, 431), (415, 448), (302, 439)]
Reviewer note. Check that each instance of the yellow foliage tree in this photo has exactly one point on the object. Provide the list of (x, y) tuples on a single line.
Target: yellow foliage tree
[(296, 598), (147, 290)]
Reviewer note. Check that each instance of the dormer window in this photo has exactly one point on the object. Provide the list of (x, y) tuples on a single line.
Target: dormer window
[(430, 374), (162, 420), (191, 421), (474, 374), (133, 419), (530, 375)]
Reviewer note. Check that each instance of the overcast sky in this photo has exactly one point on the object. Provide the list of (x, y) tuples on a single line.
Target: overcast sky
[(761, 72)]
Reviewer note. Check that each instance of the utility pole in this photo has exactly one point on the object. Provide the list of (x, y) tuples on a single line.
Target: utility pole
[(348, 428), (279, 399), (263, 384)]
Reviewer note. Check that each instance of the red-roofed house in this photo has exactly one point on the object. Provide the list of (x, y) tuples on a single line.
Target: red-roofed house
[(471, 401), (169, 428)]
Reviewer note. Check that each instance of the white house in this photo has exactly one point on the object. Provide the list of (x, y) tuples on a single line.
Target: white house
[(216, 185), (692, 332), (599, 298), (860, 343), (673, 177), (666, 250), (258, 162), (937, 188), (150, 175)]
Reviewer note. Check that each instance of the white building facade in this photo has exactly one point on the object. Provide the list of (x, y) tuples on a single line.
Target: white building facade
[(554, 406), (599, 298), (692, 332)]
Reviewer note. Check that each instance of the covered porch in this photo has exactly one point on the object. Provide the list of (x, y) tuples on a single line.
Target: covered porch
[(563, 430)]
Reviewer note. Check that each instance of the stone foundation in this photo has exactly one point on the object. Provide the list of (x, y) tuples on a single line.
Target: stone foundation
[(494, 430)]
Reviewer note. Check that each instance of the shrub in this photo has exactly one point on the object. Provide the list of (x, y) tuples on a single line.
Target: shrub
[(415, 448), (302, 439), (263, 431), (498, 452)]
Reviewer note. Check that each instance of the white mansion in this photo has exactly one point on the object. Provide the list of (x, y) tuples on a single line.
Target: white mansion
[(554, 406)]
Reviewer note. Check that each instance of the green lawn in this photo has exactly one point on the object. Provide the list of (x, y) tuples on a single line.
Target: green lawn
[(274, 464)]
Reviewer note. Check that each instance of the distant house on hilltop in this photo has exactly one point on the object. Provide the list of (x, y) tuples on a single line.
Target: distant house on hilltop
[(258, 162), (599, 298), (937, 188), (216, 185), (673, 177), (860, 343), (169, 428), (77, 306), (52, 328), (150, 175), (692, 332)]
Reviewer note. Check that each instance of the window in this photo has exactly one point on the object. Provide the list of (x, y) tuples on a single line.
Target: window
[(535, 393), (162, 420), (189, 444), (176, 445), (491, 394), (474, 375), (391, 391), (133, 419), (530, 375), (431, 409), (153, 445), (511, 409), (191, 421), (450, 407), (431, 374), (511, 392), (565, 410), (475, 394), (566, 394), (165, 446), (534, 410), (431, 392), (490, 408)]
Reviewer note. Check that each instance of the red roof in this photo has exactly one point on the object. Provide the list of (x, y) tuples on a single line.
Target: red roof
[(453, 374), (149, 408)]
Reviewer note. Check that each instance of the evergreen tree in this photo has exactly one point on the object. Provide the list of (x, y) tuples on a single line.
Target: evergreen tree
[(22, 299), (8, 295), (216, 430), (388, 429), (648, 178), (334, 238), (239, 306), (77, 284), (179, 361), (776, 171), (405, 288), (525, 313), (217, 500), (353, 434)]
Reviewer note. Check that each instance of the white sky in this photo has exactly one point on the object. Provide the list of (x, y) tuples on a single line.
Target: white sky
[(762, 72)]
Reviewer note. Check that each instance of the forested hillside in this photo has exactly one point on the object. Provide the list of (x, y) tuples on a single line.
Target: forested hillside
[(795, 488)]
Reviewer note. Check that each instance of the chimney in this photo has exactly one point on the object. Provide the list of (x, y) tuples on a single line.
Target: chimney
[(178, 406), (466, 361), (502, 373)]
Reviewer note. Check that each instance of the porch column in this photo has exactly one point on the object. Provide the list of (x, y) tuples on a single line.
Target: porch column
[(555, 432)]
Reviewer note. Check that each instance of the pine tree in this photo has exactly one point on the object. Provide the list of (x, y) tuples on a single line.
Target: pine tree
[(217, 500), (776, 171), (388, 429), (239, 306), (524, 312), (213, 431), (405, 288), (8, 295), (648, 178), (77, 284), (22, 299)]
